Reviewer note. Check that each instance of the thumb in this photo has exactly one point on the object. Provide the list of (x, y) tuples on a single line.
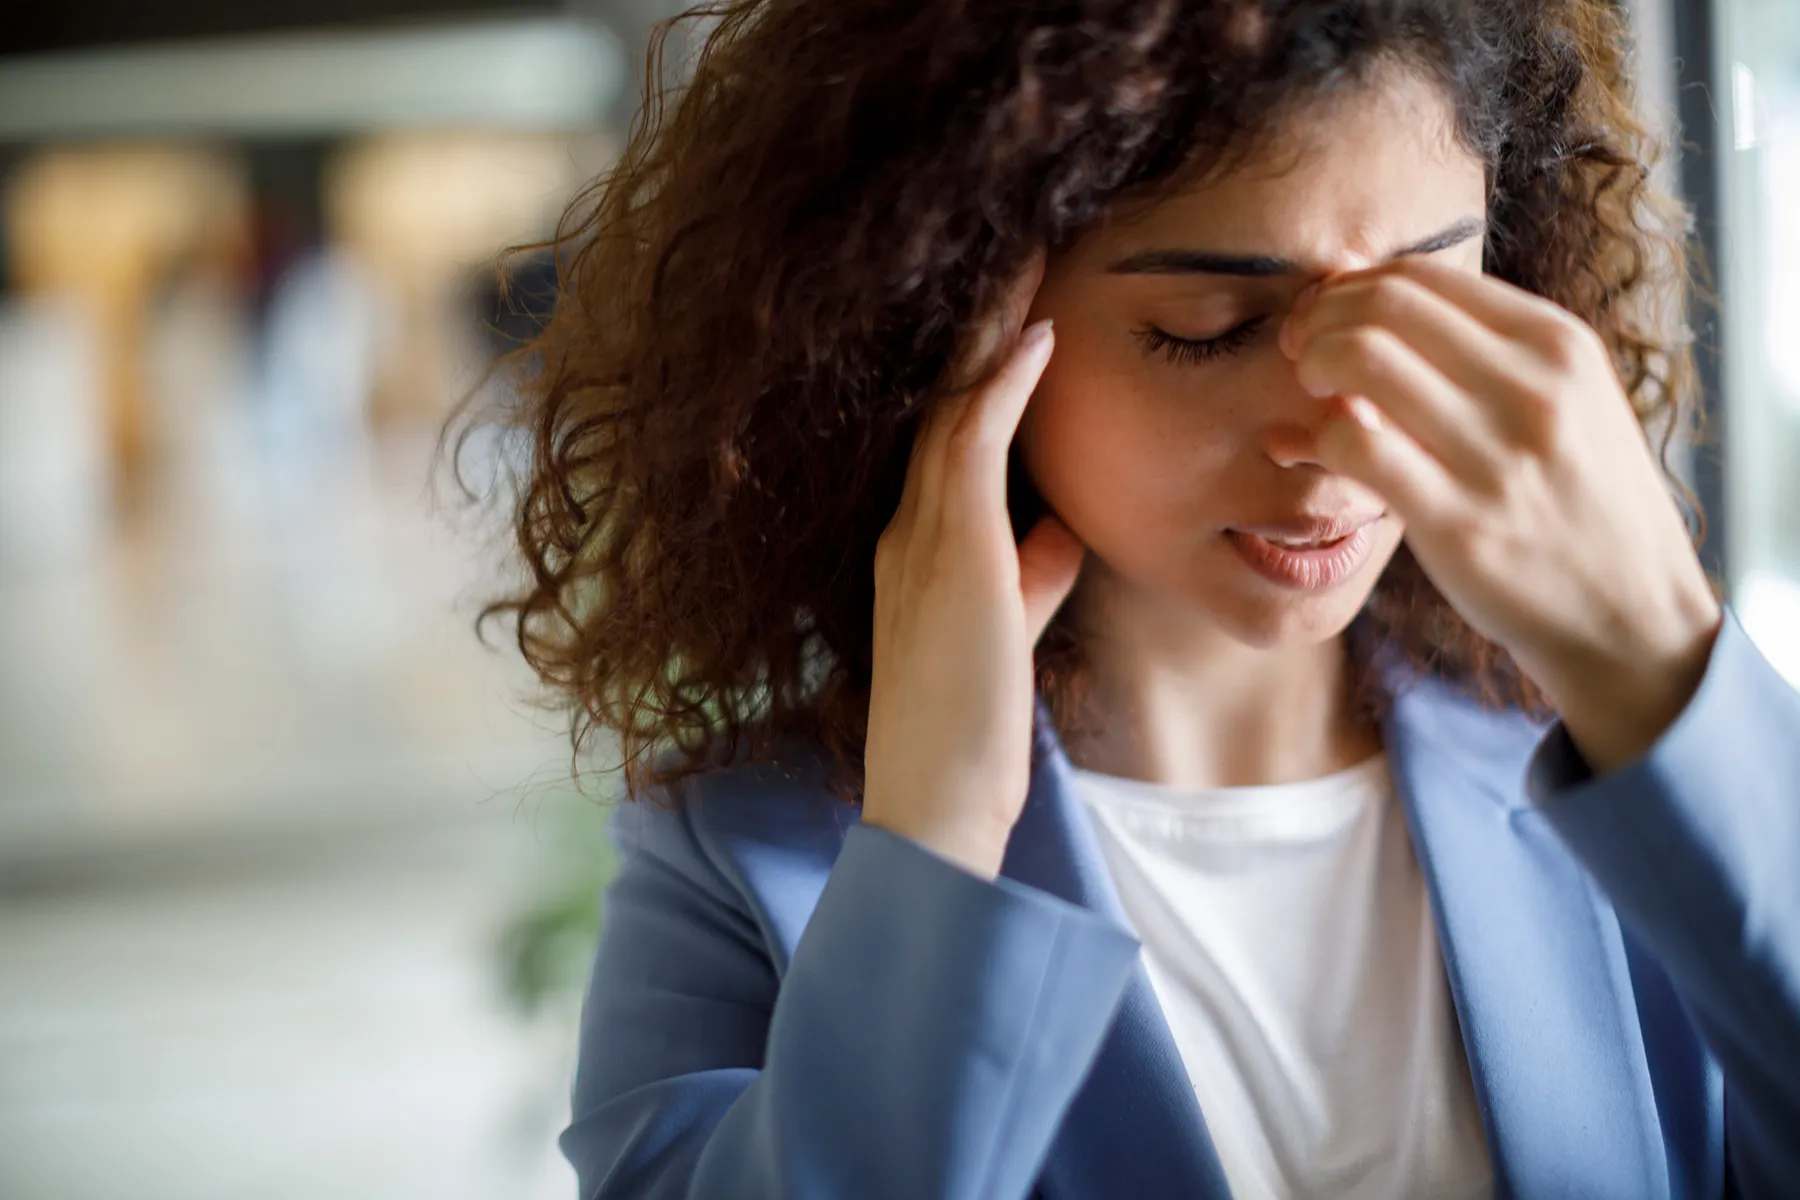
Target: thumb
[(1049, 561)]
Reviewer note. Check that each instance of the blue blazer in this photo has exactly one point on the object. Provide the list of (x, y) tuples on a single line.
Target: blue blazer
[(786, 1003)]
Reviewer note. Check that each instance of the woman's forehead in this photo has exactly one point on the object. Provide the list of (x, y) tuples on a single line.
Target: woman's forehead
[(1377, 175)]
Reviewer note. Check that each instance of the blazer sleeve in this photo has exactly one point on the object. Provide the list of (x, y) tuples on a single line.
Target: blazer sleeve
[(931, 1029), (1697, 844)]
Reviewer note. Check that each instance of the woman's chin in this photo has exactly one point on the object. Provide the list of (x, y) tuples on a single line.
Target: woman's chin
[(1283, 623)]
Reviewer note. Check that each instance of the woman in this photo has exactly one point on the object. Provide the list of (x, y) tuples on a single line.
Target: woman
[(1181, 473)]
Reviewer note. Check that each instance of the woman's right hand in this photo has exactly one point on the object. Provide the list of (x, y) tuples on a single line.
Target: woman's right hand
[(959, 609)]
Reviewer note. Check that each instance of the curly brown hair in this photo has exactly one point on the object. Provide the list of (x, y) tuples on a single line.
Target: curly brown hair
[(760, 299)]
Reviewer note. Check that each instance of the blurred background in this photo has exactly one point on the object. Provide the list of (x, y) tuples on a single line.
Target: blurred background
[(295, 890)]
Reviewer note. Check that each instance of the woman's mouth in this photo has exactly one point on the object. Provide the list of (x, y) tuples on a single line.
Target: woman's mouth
[(1303, 565)]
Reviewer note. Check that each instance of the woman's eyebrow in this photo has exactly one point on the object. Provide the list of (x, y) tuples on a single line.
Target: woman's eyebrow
[(1204, 262)]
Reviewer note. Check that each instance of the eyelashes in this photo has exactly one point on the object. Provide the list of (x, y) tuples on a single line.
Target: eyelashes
[(1188, 352)]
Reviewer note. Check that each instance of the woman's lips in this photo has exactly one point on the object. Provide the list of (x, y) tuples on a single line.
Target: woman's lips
[(1313, 568)]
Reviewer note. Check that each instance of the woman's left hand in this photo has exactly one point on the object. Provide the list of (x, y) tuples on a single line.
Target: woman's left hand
[(1494, 424)]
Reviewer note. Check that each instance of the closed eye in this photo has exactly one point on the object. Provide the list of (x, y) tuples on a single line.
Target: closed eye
[(1189, 351)]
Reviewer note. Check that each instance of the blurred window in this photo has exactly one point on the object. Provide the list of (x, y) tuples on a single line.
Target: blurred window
[(1757, 96)]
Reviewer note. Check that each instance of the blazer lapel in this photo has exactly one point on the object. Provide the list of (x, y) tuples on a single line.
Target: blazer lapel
[(1534, 954), (1134, 1128)]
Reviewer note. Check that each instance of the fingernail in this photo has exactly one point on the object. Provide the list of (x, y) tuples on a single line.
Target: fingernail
[(1305, 299), (1035, 333)]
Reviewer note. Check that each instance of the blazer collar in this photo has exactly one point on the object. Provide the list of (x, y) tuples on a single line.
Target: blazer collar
[(1533, 954), (1134, 1127)]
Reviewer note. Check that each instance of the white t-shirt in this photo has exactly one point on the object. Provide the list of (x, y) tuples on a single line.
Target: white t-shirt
[(1288, 936)]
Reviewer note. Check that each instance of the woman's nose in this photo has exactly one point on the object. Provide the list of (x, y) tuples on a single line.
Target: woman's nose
[(1293, 442), (1295, 418)]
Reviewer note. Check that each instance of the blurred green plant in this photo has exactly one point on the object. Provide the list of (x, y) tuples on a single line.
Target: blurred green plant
[(546, 944)]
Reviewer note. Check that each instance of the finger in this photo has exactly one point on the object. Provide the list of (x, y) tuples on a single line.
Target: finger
[(1504, 307), (990, 340), (995, 331), (1050, 560), (1558, 339), (974, 462), (1360, 444), (1434, 413), (1471, 355)]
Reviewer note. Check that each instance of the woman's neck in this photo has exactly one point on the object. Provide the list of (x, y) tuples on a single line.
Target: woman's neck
[(1216, 712)]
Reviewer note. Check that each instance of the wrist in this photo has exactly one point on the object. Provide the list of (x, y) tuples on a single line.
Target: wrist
[(977, 847), (1615, 710)]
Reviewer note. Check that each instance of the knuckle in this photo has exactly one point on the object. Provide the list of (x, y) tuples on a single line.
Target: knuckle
[(964, 444), (1389, 297), (1569, 342), (1484, 551), (1364, 349), (1518, 484)]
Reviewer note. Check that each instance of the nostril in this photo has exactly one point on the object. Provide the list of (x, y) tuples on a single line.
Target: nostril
[(1290, 443)]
